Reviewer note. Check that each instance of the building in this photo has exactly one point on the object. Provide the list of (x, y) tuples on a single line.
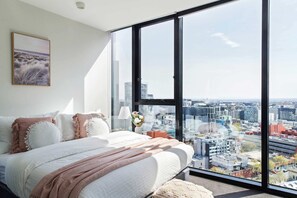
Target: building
[(273, 110), (128, 93), (287, 113), (276, 129), (251, 114), (282, 146), (205, 113), (207, 148), (228, 162)]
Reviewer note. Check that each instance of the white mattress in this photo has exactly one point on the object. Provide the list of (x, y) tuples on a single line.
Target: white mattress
[(134, 180), (3, 162)]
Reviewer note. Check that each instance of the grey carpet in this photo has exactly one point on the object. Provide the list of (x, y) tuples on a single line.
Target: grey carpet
[(222, 190)]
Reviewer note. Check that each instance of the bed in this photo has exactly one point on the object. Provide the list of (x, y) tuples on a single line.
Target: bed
[(21, 172)]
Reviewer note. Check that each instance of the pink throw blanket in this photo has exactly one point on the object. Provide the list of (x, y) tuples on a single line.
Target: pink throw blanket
[(68, 181)]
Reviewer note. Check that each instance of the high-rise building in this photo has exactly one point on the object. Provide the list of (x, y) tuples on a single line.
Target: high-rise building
[(115, 89), (273, 110), (251, 113), (287, 113), (128, 93)]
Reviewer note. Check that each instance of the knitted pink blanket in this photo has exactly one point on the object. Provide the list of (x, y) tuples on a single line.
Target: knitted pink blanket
[(69, 180)]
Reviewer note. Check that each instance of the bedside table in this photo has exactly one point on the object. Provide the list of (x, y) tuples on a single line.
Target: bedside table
[(155, 134)]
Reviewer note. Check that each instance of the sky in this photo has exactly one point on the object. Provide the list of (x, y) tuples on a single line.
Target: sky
[(32, 44), (221, 53)]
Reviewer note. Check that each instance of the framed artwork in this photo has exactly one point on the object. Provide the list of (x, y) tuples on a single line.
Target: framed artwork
[(30, 60)]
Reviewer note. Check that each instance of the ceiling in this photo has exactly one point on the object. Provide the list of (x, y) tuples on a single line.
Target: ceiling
[(114, 14)]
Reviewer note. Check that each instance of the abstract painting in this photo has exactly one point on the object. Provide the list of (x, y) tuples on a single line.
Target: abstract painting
[(30, 60)]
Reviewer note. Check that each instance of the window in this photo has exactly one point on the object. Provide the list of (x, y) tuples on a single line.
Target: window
[(283, 94), (222, 88), (157, 59), (198, 76), (121, 75)]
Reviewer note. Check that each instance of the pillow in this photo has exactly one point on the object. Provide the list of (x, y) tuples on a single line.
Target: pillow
[(97, 126), (80, 121), (65, 124), (6, 130), (5, 133), (42, 134), (19, 132)]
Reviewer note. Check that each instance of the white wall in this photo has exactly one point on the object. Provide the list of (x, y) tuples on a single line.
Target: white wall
[(79, 63)]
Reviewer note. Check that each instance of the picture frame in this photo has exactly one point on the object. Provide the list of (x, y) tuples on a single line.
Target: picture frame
[(30, 60)]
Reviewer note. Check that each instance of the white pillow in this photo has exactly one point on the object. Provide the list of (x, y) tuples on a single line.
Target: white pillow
[(97, 126), (65, 124), (42, 134), (5, 133), (4, 147)]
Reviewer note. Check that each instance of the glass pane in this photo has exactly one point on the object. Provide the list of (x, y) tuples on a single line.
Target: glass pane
[(158, 118), (157, 56), (222, 88), (121, 76), (283, 94)]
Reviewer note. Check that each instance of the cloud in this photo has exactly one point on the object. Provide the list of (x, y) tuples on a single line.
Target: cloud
[(225, 39)]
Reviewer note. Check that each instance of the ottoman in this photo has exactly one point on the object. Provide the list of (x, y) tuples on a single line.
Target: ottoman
[(177, 188)]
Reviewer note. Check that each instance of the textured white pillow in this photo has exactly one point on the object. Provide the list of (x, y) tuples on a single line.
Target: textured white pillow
[(42, 134), (97, 126), (65, 124), (6, 130), (5, 133)]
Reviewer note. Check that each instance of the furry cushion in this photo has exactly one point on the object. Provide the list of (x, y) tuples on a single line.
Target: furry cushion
[(19, 132), (42, 134), (97, 126), (177, 188), (80, 123)]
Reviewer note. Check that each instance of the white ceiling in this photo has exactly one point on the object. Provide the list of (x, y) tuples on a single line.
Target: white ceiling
[(114, 14)]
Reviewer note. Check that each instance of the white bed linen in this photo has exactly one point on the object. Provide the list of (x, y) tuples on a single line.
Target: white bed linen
[(134, 180), (3, 161)]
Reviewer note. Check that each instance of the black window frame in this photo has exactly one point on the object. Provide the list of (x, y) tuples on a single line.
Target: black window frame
[(136, 71), (178, 93)]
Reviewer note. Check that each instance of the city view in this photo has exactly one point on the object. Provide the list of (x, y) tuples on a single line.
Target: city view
[(226, 135)]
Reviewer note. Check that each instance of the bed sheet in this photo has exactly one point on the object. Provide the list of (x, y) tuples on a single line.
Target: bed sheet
[(3, 162)]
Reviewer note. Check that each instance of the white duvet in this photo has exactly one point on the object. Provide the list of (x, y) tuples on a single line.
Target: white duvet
[(25, 170)]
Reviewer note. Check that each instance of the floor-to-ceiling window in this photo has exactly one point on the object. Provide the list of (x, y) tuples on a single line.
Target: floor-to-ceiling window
[(222, 88), (199, 75), (283, 94), (121, 76)]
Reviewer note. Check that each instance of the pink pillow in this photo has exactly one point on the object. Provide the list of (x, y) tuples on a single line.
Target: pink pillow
[(19, 132), (80, 121)]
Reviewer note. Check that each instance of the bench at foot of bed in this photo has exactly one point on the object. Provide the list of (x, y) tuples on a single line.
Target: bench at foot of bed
[(180, 188)]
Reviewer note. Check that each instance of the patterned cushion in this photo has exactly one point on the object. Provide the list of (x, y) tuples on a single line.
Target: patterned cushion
[(20, 129), (177, 188)]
